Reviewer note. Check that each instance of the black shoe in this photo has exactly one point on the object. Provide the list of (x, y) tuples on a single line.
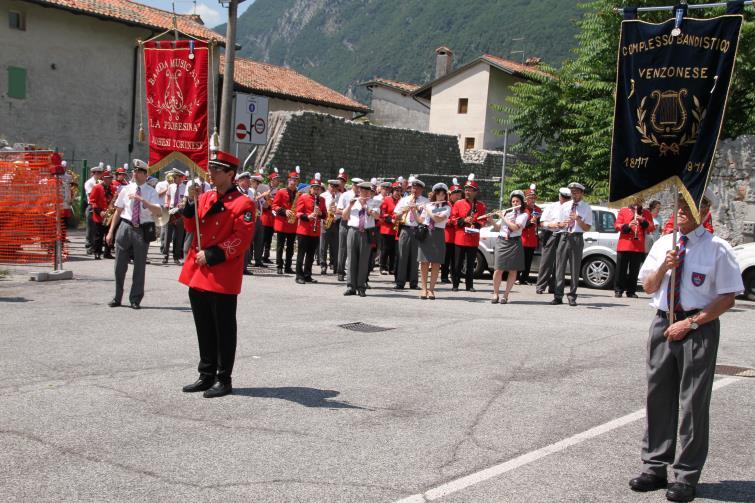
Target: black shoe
[(108, 256), (165, 260), (323, 271), (114, 303), (267, 261), (647, 482), (202, 384), (247, 272), (414, 287), (135, 305), (618, 295), (279, 271), (445, 281), (97, 257), (556, 302), (300, 281), (367, 286), (362, 293), (539, 292), (349, 291), (399, 287), (471, 289), (310, 280), (341, 277), (455, 289), (288, 270), (572, 302), (632, 296), (177, 261), (218, 389), (680, 492), (260, 264)]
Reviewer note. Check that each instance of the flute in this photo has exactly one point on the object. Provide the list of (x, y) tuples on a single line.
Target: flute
[(498, 212)]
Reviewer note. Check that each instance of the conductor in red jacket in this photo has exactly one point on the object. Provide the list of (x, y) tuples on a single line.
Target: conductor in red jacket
[(213, 274), (634, 223)]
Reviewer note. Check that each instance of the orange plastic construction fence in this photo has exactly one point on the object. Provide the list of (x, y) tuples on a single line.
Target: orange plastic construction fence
[(31, 201)]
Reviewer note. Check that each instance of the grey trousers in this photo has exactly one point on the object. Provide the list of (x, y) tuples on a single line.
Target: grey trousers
[(130, 242), (407, 257), (359, 258), (91, 228), (258, 242), (174, 236), (569, 250), (329, 245), (343, 232), (546, 278), (680, 383)]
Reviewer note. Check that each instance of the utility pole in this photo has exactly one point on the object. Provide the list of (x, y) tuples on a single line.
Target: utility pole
[(226, 100)]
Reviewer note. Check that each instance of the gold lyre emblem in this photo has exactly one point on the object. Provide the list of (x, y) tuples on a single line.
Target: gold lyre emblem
[(669, 115)]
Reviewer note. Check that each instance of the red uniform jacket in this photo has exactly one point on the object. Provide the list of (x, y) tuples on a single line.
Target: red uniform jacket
[(226, 226), (99, 199), (304, 206), (267, 219), (386, 216), (627, 242), (462, 210), (283, 201), (451, 227), (529, 233), (707, 223)]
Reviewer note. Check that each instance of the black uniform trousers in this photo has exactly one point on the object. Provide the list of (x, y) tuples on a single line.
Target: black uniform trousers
[(215, 319), (387, 252), (305, 255), (628, 265), (285, 239), (99, 238), (524, 274), (267, 242), (465, 254), (448, 263)]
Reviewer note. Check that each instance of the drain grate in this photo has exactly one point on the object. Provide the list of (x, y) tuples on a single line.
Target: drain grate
[(730, 370), (364, 327)]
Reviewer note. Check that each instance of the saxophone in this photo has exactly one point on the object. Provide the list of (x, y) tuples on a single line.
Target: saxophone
[(331, 214), (292, 218), (107, 217)]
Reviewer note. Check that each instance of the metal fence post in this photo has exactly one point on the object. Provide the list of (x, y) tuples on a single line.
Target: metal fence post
[(82, 193)]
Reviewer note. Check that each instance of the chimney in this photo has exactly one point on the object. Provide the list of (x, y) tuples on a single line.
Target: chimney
[(533, 61), (444, 61)]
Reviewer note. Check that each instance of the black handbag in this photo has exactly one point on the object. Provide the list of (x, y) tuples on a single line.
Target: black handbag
[(150, 232), (422, 232)]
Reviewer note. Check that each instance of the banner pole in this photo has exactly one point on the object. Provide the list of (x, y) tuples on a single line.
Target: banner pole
[(673, 244), (195, 179)]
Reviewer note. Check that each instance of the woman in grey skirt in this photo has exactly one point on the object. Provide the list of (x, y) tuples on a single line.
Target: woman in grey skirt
[(509, 253), (432, 251)]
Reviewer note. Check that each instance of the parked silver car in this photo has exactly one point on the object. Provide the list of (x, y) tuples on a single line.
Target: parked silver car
[(598, 258)]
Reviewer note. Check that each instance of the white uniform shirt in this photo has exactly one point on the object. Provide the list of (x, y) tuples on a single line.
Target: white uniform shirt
[(343, 201), (204, 186), (162, 187), (149, 194), (328, 198), (551, 214), (172, 203), (373, 210), (520, 220), (583, 209), (710, 269), (438, 211), (401, 206), (88, 185)]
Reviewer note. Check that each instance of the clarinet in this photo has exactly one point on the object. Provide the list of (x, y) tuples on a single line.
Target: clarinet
[(316, 209)]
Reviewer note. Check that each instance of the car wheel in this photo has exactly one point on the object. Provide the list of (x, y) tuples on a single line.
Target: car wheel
[(598, 272), (749, 280)]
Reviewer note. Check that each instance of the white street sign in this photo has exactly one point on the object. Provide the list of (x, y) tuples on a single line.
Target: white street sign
[(251, 119)]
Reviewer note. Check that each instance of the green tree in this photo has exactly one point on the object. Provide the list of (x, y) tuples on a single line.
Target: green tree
[(564, 123)]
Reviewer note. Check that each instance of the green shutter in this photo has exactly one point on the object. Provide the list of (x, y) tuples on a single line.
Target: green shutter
[(16, 82)]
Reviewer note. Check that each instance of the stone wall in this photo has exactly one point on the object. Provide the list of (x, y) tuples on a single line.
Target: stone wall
[(324, 143)]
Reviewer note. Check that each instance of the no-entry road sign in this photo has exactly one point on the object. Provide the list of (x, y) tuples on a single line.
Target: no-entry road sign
[(251, 118)]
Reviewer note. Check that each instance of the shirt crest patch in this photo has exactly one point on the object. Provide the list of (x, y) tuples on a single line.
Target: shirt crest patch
[(698, 279), (248, 216)]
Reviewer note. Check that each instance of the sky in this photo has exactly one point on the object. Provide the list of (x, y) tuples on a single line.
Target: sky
[(211, 11)]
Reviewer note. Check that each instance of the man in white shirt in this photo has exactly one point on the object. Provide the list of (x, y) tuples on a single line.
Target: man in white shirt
[(329, 236), (407, 210), (91, 228), (343, 230), (549, 237), (575, 218), (360, 214), (681, 359), (137, 207), (174, 202)]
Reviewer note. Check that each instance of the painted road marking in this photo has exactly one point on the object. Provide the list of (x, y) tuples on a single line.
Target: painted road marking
[(525, 459)]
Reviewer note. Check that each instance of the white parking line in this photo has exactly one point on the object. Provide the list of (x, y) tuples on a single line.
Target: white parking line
[(525, 459)]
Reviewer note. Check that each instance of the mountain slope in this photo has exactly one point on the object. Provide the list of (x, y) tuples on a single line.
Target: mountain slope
[(344, 42)]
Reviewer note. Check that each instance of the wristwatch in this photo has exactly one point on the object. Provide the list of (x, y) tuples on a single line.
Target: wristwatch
[(693, 324)]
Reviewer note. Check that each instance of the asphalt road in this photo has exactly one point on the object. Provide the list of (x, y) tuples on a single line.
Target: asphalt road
[(91, 407)]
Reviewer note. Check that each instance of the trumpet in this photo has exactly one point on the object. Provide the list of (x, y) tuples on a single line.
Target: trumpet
[(498, 212)]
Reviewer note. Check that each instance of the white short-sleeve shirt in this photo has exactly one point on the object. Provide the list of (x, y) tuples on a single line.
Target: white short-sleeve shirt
[(710, 269), (373, 209), (583, 209), (520, 220), (172, 188), (162, 187), (437, 210), (89, 184), (343, 201), (551, 214), (401, 207), (149, 194)]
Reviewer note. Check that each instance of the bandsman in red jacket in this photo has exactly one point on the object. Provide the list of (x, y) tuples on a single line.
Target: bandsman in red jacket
[(284, 208), (213, 274), (467, 216), (529, 234), (455, 193), (388, 230), (633, 223), (267, 219), (310, 213), (99, 200)]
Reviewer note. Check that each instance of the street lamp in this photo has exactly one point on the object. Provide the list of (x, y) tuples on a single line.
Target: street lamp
[(226, 99)]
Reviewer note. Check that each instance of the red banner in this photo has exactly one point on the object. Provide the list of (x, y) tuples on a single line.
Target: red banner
[(176, 85)]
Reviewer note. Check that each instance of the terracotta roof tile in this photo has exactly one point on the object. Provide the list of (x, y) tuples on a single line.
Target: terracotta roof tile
[(401, 86), (512, 66), (134, 13), (285, 82)]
